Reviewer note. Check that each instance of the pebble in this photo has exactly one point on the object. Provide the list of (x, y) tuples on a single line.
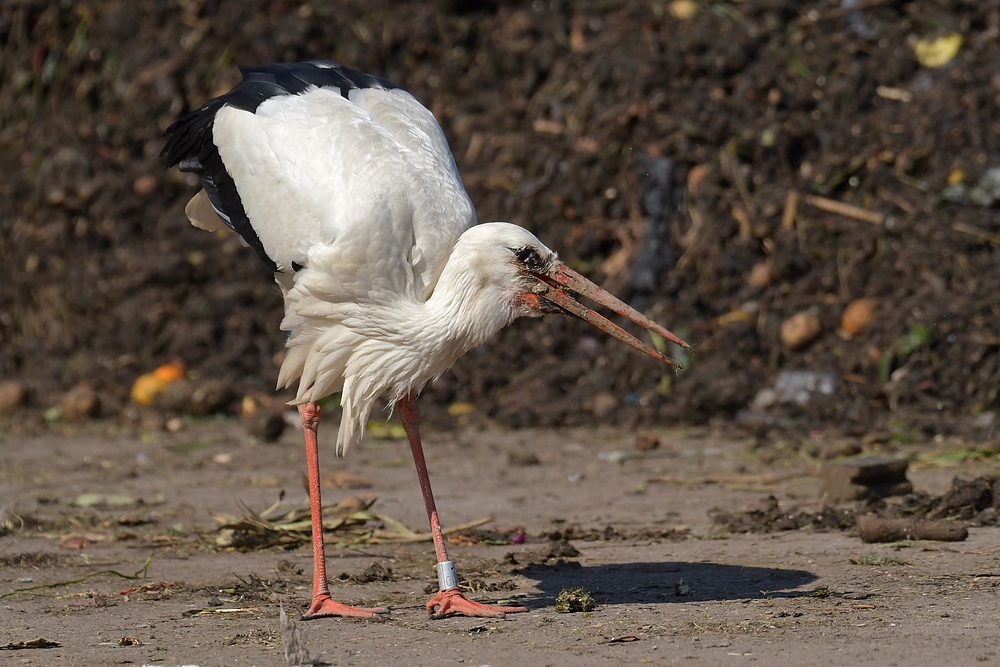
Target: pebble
[(210, 397), (799, 330), (13, 395), (145, 185), (760, 275), (81, 402), (646, 441), (602, 403), (857, 316), (522, 459), (265, 425), (263, 418)]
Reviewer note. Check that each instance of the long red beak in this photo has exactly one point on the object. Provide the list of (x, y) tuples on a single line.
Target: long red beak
[(566, 278)]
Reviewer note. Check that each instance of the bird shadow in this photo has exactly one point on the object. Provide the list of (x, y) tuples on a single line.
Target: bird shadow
[(663, 582)]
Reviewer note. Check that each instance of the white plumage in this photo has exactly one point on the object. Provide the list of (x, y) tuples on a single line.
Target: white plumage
[(382, 336), (344, 185)]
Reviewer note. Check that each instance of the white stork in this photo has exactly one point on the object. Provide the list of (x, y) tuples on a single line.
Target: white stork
[(345, 187)]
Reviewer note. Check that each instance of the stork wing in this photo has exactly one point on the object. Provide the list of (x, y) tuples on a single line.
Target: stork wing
[(313, 162)]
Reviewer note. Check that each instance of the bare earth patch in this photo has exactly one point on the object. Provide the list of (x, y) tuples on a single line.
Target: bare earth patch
[(669, 584)]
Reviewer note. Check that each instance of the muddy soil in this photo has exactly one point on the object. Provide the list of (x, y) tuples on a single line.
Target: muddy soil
[(670, 584), (659, 151)]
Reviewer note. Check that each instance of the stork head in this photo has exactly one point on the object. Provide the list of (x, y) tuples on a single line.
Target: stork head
[(533, 282)]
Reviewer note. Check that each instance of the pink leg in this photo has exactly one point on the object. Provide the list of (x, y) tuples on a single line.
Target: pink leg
[(322, 604), (449, 601)]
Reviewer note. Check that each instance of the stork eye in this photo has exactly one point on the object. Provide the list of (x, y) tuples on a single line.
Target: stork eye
[(528, 256)]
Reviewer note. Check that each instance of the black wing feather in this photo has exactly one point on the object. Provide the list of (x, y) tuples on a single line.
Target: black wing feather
[(190, 143)]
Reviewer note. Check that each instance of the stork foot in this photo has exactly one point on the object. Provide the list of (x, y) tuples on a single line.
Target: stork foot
[(323, 607), (452, 603)]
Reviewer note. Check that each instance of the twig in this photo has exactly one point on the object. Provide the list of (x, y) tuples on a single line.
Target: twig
[(815, 16), (848, 210), (899, 201), (791, 209), (988, 341), (984, 550), (138, 575), (396, 538), (732, 165), (977, 232), (768, 478)]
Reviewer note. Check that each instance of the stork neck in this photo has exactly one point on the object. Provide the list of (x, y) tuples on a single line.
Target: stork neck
[(465, 308)]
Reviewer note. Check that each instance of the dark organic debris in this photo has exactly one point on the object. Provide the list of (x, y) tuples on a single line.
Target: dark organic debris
[(620, 534), (374, 572), (978, 498), (771, 517), (37, 560), (353, 521), (915, 515), (480, 536), (35, 643)]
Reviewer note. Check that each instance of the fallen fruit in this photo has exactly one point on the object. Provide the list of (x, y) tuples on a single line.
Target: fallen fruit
[(170, 372), (146, 388)]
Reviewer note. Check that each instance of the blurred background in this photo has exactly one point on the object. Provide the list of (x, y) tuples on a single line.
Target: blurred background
[(806, 191)]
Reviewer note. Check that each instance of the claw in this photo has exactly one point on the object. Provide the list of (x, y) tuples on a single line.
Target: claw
[(452, 603)]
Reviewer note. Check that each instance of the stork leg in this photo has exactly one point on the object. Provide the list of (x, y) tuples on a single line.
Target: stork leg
[(449, 601), (322, 604)]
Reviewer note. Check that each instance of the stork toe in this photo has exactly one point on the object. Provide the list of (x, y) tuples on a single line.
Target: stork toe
[(452, 603), (324, 607)]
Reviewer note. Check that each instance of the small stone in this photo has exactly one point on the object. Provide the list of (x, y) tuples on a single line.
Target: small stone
[(80, 402), (522, 459), (799, 330), (13, 395), (145, 185), (646, 441), (760, 275), (857, 316), (176, 396), (263, 417), (601, 404), (265, 425), (210, 397)]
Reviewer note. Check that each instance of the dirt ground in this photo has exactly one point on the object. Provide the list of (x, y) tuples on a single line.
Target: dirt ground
[(670, 585)]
